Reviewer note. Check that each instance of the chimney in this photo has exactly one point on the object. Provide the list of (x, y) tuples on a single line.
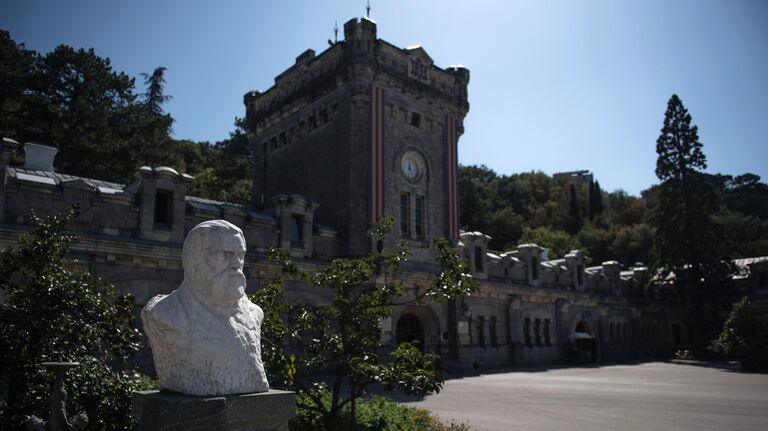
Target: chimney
[(39, 157)]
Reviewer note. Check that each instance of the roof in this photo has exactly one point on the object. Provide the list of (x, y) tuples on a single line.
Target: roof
[(51, 178), (46, 177), (749, 261)]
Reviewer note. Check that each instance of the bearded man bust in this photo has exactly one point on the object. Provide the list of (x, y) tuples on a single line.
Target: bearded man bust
[(205, 336)]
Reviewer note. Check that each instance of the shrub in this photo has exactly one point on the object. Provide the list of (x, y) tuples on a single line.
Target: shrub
[(374, 413), (56, 311), (744, 337)]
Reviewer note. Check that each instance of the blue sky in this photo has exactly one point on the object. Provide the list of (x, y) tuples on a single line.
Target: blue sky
[(555, 85)]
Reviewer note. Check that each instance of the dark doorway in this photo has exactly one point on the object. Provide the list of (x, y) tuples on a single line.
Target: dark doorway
[(583, 345), (410, 330)]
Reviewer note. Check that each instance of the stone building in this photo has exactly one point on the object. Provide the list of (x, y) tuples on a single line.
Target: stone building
[(363, 130)]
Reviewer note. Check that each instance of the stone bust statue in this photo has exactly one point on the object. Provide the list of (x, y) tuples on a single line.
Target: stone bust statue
[(205, 336)]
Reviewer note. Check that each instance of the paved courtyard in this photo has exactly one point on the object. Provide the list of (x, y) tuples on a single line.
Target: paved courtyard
[(650, 396)]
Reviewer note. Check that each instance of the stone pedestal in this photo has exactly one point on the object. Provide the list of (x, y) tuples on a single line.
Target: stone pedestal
[(265, 411)]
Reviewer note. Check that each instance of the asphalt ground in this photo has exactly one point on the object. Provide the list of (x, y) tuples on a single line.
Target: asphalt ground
[(647, 396)]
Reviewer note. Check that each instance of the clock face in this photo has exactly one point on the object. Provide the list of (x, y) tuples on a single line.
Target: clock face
[(410, 168)]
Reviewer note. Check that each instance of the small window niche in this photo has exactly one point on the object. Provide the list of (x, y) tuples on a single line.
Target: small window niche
[(297, 230), (415, 119), (535, 268), (479, 260), (527, 331), (163, 209)]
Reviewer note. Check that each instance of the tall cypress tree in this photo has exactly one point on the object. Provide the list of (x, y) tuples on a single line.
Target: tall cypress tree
[(595, 199), (574, 212)]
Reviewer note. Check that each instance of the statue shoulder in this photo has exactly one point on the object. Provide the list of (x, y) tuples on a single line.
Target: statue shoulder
[(163, 310)]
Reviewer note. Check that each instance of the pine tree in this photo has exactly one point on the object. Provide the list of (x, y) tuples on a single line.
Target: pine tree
[(691, 253), (154, 97), (678, 145)]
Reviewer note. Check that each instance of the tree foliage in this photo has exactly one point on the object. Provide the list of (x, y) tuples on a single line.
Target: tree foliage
[(343, 335), (56, 311), (74, 100), (554, 212), (155, 97), (678, 145), (691, 252), (744, 337)]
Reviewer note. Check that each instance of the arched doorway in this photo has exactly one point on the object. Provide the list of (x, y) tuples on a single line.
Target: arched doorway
[(583, 344), (582, 327), (410, 330)]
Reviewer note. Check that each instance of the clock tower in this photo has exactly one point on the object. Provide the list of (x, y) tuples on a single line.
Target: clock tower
[(366, 130)]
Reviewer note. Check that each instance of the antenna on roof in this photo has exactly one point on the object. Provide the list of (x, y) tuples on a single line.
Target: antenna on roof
[(367, 8), (335, 31)]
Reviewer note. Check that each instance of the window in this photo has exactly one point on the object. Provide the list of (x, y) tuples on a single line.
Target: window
[(479, 259), (527, 331), (297, 230), (534, 268), (420, 216), (323, 116), (313, 122), (579, 275), (283, 139), (546, 333), (676, 334), (415, 119), (405, 211), (163, 209), (537, 331), (492, 331), (480, 331), (469, 328)]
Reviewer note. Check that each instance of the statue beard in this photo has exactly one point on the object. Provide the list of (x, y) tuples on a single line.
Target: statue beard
[(223, 289)]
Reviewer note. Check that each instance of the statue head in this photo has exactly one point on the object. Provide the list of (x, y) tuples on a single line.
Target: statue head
[(212, 256)]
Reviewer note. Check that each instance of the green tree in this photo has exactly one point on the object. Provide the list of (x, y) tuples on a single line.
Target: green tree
[(744, 337), (574, 212), (595, 199), (343, 335), (55, 311), (678, 147), (476, 196), (155, 97), (505, 227), (18, 72), (691, 253), (87, 104), (558, 242)]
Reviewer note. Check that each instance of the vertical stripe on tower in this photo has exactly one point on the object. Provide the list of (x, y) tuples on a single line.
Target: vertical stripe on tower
[(377, 154)]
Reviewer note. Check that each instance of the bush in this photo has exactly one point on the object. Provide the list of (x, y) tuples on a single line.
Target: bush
[(744, 337), (54, 311), (374, 413)]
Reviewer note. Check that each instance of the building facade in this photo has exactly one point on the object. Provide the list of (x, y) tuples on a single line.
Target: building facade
[(361, 131)]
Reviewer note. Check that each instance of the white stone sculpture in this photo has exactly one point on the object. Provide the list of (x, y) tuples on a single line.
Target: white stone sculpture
[(205, 336)]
